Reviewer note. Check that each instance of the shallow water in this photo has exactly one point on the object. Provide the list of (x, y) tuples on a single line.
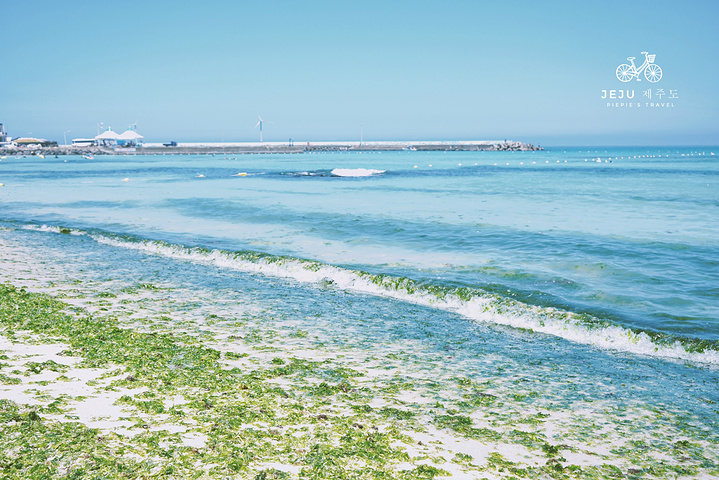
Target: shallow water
[(626, 236)]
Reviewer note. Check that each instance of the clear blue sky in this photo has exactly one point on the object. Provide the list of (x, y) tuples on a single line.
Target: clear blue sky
[(324, 70)]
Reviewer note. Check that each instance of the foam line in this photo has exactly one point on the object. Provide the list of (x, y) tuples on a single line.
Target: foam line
[(472, 303)]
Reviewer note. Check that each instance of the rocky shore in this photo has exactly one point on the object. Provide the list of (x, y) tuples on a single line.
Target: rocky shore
[(242, 148)]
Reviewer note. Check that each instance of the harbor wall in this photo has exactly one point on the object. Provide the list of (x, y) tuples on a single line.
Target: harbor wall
[(250, 148)]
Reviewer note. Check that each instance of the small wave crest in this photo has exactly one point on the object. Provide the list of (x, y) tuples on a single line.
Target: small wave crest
[(54, 229), (472, 303), (356, 172), (337, 172), (314, 173)]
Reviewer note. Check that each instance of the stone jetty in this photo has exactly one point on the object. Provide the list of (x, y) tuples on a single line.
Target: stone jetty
[(273, 147)]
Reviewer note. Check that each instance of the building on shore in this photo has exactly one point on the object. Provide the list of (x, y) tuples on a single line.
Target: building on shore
[(4, 138), (130, 138), (107, 138), (31, 142)]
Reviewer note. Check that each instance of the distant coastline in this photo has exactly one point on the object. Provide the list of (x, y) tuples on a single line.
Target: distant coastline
[(272, 147)]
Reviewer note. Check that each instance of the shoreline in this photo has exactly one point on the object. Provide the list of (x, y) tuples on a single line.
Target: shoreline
[(96, 363), (211, 148)]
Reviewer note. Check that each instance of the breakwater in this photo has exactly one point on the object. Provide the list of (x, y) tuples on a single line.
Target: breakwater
[(271, 147)]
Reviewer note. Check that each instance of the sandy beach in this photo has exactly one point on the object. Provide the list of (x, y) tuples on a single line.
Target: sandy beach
[(44, 374)]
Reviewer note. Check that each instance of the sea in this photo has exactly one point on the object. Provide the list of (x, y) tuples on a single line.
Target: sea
[(595, 267)]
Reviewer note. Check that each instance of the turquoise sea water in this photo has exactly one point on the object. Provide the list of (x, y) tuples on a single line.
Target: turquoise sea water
[(594, 245), (586, 277)]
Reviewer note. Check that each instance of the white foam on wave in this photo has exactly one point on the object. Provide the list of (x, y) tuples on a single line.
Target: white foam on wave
[(53, 229), (356, 172), (479, 307), (41, 228)]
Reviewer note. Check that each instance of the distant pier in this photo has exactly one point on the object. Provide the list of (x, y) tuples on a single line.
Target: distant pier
[(275, 147)]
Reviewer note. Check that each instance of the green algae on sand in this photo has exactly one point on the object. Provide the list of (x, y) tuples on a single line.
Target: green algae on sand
[(265, 413)]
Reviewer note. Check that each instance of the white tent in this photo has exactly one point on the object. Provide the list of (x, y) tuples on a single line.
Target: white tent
[(107, 138), (129, 137)]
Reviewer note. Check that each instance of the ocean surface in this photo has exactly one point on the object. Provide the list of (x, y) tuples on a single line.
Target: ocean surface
[(602, 261), (616, 248)]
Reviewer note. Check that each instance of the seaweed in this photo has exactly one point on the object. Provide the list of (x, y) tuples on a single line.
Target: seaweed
[(321, 418)]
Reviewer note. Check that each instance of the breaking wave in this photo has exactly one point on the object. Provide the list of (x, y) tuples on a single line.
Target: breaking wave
[(337, 172), (356, 172), (472, 303)]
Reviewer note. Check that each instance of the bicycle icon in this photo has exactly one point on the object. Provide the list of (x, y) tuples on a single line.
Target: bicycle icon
[(652, 71)]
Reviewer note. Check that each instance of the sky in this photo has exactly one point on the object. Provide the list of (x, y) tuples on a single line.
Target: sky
[(193, 71)]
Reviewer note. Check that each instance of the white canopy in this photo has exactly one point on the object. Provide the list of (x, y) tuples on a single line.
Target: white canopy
[(129, 135), (107, 135)]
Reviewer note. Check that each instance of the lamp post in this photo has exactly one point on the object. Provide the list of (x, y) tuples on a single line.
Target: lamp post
[(64, 136)]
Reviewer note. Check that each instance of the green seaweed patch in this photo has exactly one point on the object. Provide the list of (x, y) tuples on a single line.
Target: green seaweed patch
[(272, 474), (298, 333), (396, 385), (289, 367), (141, 286), (343, 373), (235, 356), (145, 406), (325, 389), (464, 381), (35, 448), (33, 368), (520, 397), (476, 399), (396, 413), (465, 427), (8, 380), (463, 458)]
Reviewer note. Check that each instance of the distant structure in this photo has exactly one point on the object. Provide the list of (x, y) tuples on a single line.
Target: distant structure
[(84, 142), (32, 142), (4, 138), (259, 124), (108, 138), (130, 138)]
